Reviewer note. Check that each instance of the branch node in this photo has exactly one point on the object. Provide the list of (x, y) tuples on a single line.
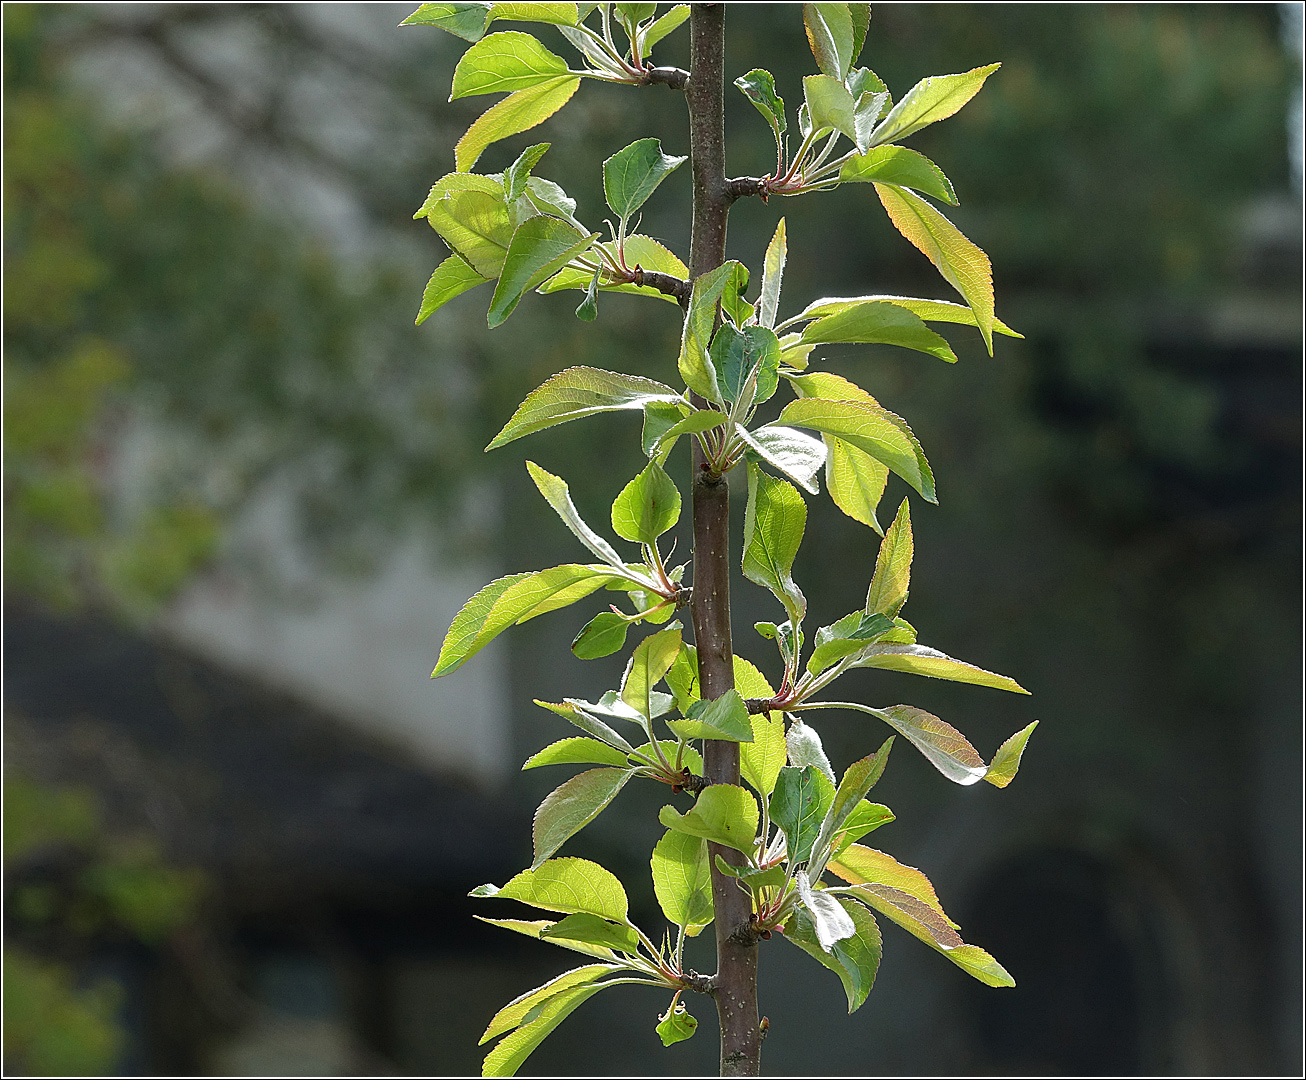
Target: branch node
[(700, 984), (673, 78)]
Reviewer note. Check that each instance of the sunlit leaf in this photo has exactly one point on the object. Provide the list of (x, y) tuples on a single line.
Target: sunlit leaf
[(683, 881), (476, 226), (567, 886), (759, 87), (931, 100), (642, 251), (540, 247), (830, 105), (650, 661), (773, 272), (855, 959), (695, 361), (557, 494), (576, 750), (665, 24), (725, 717), (466, 20), (453, 277), (830, 920), (798, 455), (928, 310), (804, 748), (857, 780), (631, 175), (676, 1025), (774, 519), (922, 660), (512, 1014), (593, 931), (1006, 761), (507, 1057), (723, 813), (601, 636), (901, 166), (532, 928), (889, 584), (879, 323), (831, 36), (798, 805), (502, 63), (519, 111), (647, 506), (761, 760), (573, 805), (584, 719)]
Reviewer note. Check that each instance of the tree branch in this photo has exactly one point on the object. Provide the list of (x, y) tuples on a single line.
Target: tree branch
[(664, 283), (673, 77)]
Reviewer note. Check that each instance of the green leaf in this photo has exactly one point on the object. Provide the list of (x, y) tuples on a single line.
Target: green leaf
[(585, 720), (943, 745), (512, 1014), (661, 27), (476, 226), (507, 1057), (865, 818), (888, 589), (860, 865), (689, 757), (746, 363), (556, 14), (540, 247), (502, 63), (647, 507), (830, 105), (931, 100), (963, 265), (454, 182), (723, 813), (532, 928), (517, 176), (682, 677), (761, 760), (695, 361), (588, 309), (759, 87), (857, 780), (631, 175), (901, 166), (980, 965), (682, 880), (860, 16), (773, 272), (650, 661), (573, 805), (922, 660), (1006, 761), (593, 931), (451, 278), (829, 919), (676, 1025), (928, 310), (546, 197), (519, 111), (804, 748), (912, 915), (771, 878), (871, 428), (774, 520), (855, 480), (854, 959), (697, 421), (576, 750), (568, 886), (631, 15), (577, 392), (849, 635), (798, 806), (601, 636), (870, 104), (797, 455), (467, 21), (725, 718), (557, 494), (514, 599), (879, 323), (831, 35)]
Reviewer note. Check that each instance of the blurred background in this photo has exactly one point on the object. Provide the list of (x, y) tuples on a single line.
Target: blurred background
[(244, 497)]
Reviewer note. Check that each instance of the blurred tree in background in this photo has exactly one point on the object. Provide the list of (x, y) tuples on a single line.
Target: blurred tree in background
[(210, 289)]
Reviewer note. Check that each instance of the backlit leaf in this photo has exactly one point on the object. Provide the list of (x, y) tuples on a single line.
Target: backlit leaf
[(573, 805), (794, 453), (512, 1014), (888, 589), (502, 63), (723, 813), (650, 661), (695, 361), (665, 24), (879, 323), (831, 35), (761, 760), (774, 520), (533, 927), (922, 660), (576, 750), (901, 166), (773, 272), (642, 251), (931, 100), (855, 480), (577, 392), (453, 277), (558, 14), (798, 805), (928, 310), (567, 886), (676, 1025), (631, 175), (517, 176), (466, 20), (519, 111), (857, 780), (585, 719), (601, 636), (476, 226), (558, 495), (1006, 761), (854, 959), (725, 717), (830, 920), (593, 931), (683, 881), (830, 105), (540, 247), (759, 87), (507, 1057), (647, 507)]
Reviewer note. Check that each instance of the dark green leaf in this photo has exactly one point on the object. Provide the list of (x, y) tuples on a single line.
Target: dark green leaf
[(860, 16), (865, 818), (759, 87), (516, 177), (631, 175), (774, 520), (601, 636), (770, 878), (682, 678), (746, 362), (588, 309), (798, 805), (585, 719), (695, 361)]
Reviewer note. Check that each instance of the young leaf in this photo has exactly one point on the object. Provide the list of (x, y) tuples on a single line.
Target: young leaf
[(514, 599), (647, 507), (517, 176), (831, 35), (879, 323), (860, 16), (573, 805), (978, 964), (855, 480), (865, 818), (888, 589), (466, 20), (558, 14), (519, 111), (799, 456), (883, 435), (829, 919), (928, 310), (759, 87), (857, 780), (568, 886), (662, 26), (690, 758), (761, 760), (601, 636), (454, 182), (771, 878), (682, 880), (507, 1057), (676, 1025), (725, 718), (931, 100), (593, 931), (774, 520), (540, 247), (723, 813), (804, 748), (963, 265), (1006, 761), (556, 493), (502, 63), (584, 719), (546, 197), (650, 661), (922, 660), (798, 805), (588, 309), (943, 745), (631, 175), (532, 928), (682, 677), (697, 421), (453, 277), (476, 226), (773, 272), (849, 635), (576, 750), (577, 392), (865, 866), (695, 361), (913, 915), (830, 105), (746, 361), (854, 959), (898, 165), (512, 1014)]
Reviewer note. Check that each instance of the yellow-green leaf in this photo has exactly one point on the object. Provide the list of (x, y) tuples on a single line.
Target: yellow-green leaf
[(451, 278), (512, 1014), (573, 805), (888, 589), (723, 813), (929, 101), (568, 886), (539, 248), (1002, 770), (683, 881), (518, 112), (502, 63), (476, 225)]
